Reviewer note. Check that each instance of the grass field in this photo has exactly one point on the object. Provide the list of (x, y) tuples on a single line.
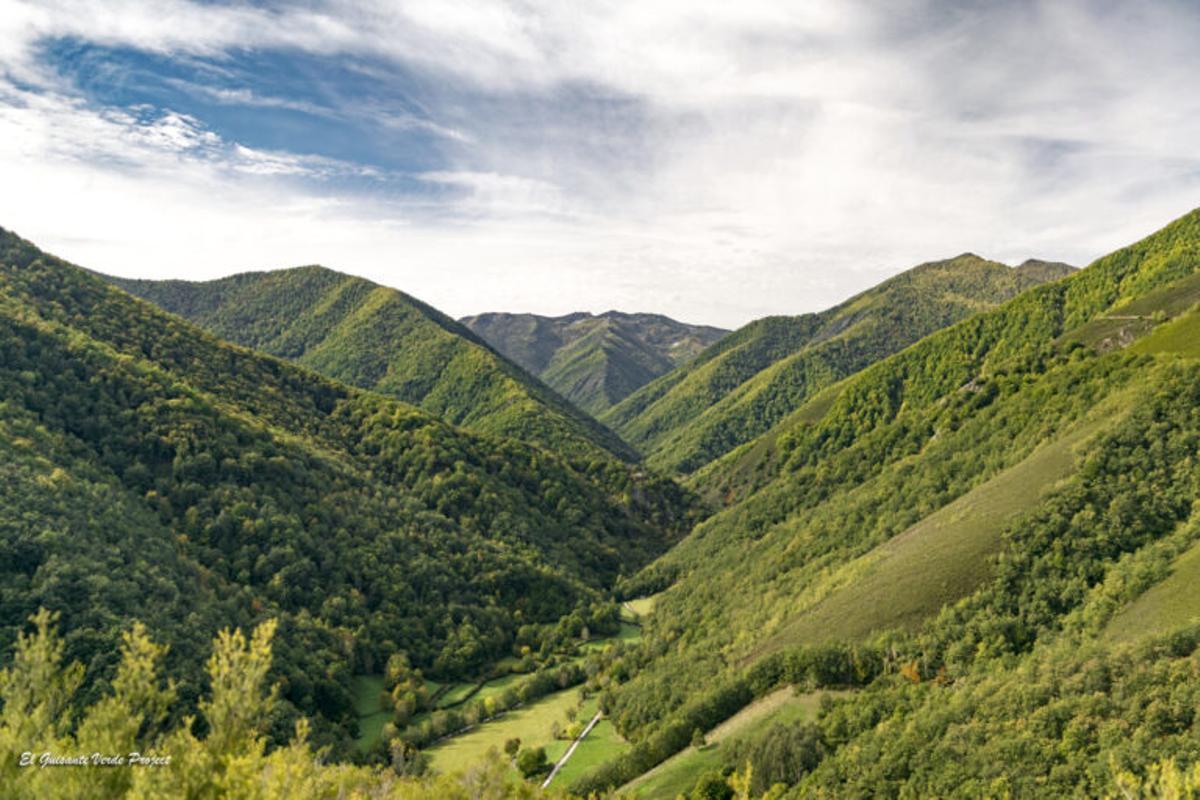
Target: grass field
[(530, 723), (1169, 605), (371, 714), (456, 694), (678, 774), (498, 685), (1133, 320), (602, 744), (643, 605), (628, 633), (941, 558), (1180, 336)]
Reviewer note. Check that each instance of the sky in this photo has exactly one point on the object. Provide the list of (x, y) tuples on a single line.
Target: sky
[(713, 161)]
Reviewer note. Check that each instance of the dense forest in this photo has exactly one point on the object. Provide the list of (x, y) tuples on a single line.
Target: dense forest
[(741, 386), (967, 560), (594, 360), (153, 472), (971, 518)]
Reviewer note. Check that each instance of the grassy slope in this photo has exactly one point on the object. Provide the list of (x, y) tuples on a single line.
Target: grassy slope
[(643, 605), (1169, 605), (1179, 337), (371, 714), (1174, 602), (678, 774), (946, 555), (530, 723), (602, 744), (594, 360), (379, 338), (836, 492), (749, 382)]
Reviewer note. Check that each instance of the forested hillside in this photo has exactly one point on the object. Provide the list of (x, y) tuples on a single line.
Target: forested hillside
[(153, 472), (594, 360), (972, 559), (753, 378), (373, 337), (985, 538)]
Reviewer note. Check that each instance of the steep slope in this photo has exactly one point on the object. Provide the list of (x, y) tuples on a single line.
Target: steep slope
[(752, 379), (594, 360), (152, 471), (378, 338), (954, 524)]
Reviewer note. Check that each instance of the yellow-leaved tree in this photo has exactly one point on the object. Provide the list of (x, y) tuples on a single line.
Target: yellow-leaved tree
[(231, 761)]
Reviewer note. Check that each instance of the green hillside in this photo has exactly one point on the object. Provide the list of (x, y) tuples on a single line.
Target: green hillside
[(977, 550), (953, 529), (752, 379), (152, 471), (594, 360), (373, 337)]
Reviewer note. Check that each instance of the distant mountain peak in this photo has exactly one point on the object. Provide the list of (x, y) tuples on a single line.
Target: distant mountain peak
[(381, 338), (594, 360)]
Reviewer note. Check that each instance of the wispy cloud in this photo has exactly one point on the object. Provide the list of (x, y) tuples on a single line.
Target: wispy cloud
[(712, 160)]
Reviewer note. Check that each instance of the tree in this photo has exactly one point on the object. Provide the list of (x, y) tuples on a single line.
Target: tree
[(531, 761), (36, 690), (712, 786), (408, 760), (698, 740), (512, 746)]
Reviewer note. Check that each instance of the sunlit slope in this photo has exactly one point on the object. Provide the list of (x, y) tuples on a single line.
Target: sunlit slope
[(754, 378), (1166, 606), (899, 442), (378, 338), (945, 556)]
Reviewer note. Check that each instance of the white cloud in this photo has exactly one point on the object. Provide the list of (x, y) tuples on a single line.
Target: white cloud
[(715, 161)]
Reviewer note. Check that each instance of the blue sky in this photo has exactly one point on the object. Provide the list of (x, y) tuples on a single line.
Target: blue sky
[(713, 161)]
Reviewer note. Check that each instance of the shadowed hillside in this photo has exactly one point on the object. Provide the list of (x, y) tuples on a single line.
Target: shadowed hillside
[(594, 360), (152, 471)]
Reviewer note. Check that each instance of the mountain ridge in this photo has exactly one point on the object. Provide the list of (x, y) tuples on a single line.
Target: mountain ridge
[(379, 338), (153, 471), (738, 388), (594, 360), (940, 528)]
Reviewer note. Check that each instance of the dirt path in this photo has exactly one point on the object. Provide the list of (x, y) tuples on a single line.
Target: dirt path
[(570, 750)]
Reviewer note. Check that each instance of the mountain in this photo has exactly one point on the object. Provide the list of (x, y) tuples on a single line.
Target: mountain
[(150, 471), (750, 380), (984, 543), (373, 337), (594, 360), (966, 569)]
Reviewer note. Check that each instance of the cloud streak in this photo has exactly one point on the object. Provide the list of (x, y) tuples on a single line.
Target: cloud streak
[(713, 161)]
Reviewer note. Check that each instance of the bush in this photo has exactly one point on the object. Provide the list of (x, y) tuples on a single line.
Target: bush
[(531, 761)]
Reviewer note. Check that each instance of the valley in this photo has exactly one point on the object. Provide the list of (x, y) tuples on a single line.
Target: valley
[(938, 540)]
